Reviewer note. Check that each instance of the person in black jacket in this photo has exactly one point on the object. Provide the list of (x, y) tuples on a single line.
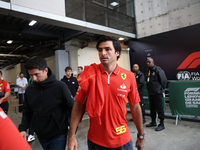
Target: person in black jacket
[(71, 81), (72, 84), (140, 79), (45, 105), (156, 83)]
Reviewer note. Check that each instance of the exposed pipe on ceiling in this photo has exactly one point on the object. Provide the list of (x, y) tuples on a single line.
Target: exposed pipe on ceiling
[(13, 55)]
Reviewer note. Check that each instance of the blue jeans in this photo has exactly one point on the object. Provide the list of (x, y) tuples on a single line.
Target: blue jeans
[(55, 144), (93, 146)]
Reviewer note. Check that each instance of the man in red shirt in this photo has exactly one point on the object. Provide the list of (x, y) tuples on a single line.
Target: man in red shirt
[(4, 93), (103, 91), (10, 137)]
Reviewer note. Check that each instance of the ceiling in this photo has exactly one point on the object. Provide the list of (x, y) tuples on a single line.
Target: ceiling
[(41, 39)]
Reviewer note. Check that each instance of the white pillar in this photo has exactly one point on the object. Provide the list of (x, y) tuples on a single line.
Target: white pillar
[(72, 47), (62, 61)]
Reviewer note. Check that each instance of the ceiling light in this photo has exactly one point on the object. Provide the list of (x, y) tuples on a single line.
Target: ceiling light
[(121, 39), (114, 4), (9, 41), (32, 23)]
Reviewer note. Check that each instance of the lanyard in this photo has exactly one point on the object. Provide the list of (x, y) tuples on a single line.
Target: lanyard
[(149, 76), (149, 73)]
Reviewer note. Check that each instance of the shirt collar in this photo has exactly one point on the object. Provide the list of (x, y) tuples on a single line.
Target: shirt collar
[(116, 71)]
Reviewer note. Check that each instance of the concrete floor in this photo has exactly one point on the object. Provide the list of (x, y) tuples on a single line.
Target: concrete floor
[(184, 136)]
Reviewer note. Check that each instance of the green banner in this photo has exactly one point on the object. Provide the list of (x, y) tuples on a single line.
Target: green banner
[(184, 97)]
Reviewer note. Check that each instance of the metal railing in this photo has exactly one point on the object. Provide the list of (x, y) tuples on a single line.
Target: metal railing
[(11, 103)]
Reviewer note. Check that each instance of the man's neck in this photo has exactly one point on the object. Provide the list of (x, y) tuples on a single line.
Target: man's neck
[(21, 78), (109, 68), (68, 76)]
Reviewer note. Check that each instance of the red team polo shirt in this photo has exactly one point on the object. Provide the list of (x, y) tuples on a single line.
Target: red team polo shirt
[(118, 86), (4, 87), (10, 138)]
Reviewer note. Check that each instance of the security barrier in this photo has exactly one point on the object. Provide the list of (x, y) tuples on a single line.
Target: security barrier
[(184, 98), (16, 106)]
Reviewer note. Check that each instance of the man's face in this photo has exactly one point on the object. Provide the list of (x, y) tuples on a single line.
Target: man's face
[(80, 70), (68, 73), (21, 75), (38, 75), (135, 68), (150, 63), (107, 54)]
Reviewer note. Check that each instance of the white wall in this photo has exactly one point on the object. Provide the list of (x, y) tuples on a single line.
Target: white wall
[(158, 16), (51, 6), (88, 56), (51, 63), (12, 74)]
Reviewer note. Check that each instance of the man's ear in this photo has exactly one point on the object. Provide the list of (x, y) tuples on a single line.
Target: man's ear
[(117, 53), (46, 70)]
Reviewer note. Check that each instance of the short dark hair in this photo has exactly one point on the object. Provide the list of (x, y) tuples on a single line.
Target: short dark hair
[(21, 73), (36, 62), (115, 42), (80, 67), (1, 72), (68, 68)]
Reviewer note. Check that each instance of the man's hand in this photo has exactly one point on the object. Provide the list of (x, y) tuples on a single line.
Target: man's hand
[(23, 133), (139, 144), (72, 143)]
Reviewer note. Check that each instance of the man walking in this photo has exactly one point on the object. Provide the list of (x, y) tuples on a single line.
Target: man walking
[(156, 83), (71, 81), (140, 79), (21, 83), (72, 84), (103, 91), (45, 105)]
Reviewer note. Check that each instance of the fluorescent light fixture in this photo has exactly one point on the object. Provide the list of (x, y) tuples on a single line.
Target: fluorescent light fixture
[(32, 23), (114, 4), (9, 41), (121, 39)]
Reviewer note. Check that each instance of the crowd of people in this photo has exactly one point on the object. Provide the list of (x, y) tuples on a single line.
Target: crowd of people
[(50, 107)]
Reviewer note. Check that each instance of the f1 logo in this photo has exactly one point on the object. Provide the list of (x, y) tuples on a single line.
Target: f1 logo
[(192, 61)]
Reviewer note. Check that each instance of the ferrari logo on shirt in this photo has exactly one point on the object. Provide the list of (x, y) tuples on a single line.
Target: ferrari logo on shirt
[(121, 130), (123, 75), (1, 84)]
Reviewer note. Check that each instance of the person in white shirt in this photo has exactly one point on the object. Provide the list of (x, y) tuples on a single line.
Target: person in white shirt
[(21, 83)]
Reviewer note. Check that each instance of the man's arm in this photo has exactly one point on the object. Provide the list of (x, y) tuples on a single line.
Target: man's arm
[(141, 81), (162, 78), (6, 95), (26, 118), (137, 118), (76, 114)]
